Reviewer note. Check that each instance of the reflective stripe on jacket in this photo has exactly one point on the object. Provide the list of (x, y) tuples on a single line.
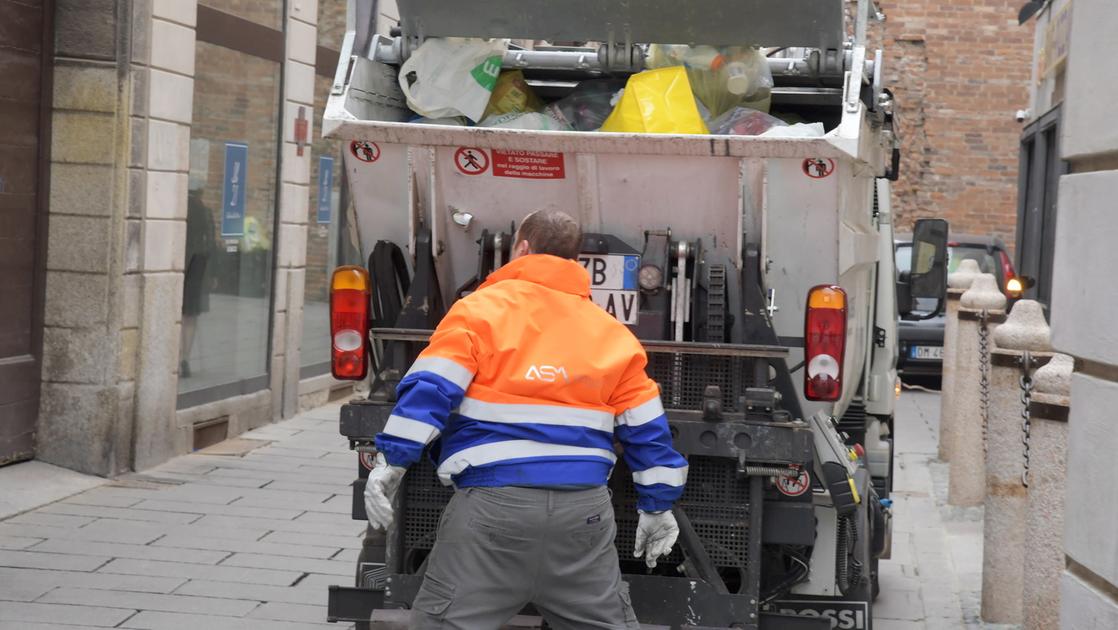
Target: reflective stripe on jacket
[(526, 382)]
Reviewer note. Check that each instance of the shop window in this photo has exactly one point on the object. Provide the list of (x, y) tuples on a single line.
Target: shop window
[(234, 153)]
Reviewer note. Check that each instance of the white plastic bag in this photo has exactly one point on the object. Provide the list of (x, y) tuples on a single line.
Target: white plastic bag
[(532, 121), (452, 77), (798, 130)]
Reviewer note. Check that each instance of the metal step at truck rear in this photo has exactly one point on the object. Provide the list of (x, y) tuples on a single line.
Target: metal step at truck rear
[(853, 423), (853, 426)]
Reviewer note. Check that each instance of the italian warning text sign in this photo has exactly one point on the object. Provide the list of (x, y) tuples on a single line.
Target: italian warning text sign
[(528, 164)]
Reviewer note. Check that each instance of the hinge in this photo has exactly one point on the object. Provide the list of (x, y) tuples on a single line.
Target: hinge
[(879, 336)]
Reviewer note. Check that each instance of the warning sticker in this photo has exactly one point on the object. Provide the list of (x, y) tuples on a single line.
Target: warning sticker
[(365, 151), (471, 161), (794, 486), (528, 164), (368, 460), (818, 168)]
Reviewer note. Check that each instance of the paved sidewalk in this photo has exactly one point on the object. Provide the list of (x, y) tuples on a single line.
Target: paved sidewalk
[(212, 542), (250, 540), (934, 579)]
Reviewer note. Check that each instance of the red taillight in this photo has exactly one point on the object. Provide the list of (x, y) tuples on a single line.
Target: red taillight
[(349, 323), (824, 342)]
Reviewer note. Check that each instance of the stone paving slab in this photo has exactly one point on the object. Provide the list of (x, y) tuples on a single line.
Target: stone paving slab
[(31, 484), (246, 540)]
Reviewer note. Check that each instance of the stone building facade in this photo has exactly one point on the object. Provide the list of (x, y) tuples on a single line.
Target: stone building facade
[(1073, 92), (190, 216)]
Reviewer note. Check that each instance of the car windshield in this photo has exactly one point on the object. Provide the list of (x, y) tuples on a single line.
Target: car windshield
[(956, 254), (987, 262)]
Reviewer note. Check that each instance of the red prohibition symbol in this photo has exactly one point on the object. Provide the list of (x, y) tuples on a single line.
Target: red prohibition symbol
[(794, 486), (471, 161), (818, 168), (365, 151)]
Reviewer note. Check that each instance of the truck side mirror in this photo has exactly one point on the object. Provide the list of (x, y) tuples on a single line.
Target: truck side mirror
[(928, 276), (929, 260)]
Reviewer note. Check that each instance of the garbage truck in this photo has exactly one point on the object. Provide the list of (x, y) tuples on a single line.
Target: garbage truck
[(757, 271)]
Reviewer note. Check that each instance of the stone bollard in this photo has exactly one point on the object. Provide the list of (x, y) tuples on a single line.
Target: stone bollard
[(1044, 518), (957, 283), (1024, 336), (967, 478)]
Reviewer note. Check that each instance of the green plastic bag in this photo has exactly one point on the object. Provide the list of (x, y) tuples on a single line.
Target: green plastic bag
[(452, 77), (657, 101)]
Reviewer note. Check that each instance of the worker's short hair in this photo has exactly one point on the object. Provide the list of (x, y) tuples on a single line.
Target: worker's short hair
[(551, 232)]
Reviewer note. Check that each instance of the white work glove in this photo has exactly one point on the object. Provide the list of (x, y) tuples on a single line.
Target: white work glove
[(380, 489), (656, 533)]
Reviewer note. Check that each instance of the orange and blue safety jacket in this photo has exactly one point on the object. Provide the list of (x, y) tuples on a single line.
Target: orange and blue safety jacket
[(526, 382)]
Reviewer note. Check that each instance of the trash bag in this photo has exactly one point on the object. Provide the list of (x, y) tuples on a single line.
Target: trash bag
[(532, 121), (588, 105), (512, 95), (456, 121), (743, 121), (798, 130), (657, 101), (451, 77), (722, 78)]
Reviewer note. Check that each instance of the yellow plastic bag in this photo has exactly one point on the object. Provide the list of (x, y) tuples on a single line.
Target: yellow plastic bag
[(657, 101), (512, 95)]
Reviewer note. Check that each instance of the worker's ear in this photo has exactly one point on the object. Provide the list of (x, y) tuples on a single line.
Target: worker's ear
[(521, 248)]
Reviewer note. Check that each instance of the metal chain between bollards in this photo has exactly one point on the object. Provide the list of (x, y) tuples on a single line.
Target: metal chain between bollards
[(1026, 382), (984, 373)]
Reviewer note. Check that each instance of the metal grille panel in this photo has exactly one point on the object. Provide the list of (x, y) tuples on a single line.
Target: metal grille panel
[(716, 501), (424, 500), (684, 377)]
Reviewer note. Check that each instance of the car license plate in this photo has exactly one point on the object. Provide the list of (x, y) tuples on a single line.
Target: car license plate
[(926, 352), (613, 284)]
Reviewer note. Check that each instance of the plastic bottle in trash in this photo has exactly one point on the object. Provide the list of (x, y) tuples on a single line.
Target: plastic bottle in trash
[(695, 57), (737, 79), (702, 57)]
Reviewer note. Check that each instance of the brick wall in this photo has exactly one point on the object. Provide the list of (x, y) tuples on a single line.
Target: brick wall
[(960, 69)]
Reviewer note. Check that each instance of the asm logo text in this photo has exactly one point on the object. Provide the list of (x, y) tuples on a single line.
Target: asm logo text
[(546, 373)]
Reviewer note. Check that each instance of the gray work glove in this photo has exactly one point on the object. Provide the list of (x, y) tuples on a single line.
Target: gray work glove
[(380, 489), (656, 533)]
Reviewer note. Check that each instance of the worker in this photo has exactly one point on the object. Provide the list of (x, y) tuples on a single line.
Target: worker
[(521, 393)]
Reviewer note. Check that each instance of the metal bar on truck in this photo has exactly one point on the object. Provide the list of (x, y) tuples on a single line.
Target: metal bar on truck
[(393, 51), (688, 347)]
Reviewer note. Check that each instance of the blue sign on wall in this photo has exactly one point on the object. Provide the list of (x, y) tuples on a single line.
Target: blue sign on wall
[(325, 188), (233, 189)]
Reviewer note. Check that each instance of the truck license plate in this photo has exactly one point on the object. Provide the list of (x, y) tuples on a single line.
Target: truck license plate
[(613, 284), (926, 352)]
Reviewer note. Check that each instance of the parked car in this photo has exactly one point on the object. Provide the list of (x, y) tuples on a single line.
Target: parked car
[(920, 338)]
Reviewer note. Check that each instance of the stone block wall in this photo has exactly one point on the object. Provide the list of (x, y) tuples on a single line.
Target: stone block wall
[(1084, 304), (88, 374)]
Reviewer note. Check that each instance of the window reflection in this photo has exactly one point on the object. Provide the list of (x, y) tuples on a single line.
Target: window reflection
[(230, 221)]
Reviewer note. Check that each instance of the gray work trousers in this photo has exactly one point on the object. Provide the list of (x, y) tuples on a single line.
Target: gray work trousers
[(502, 548)]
